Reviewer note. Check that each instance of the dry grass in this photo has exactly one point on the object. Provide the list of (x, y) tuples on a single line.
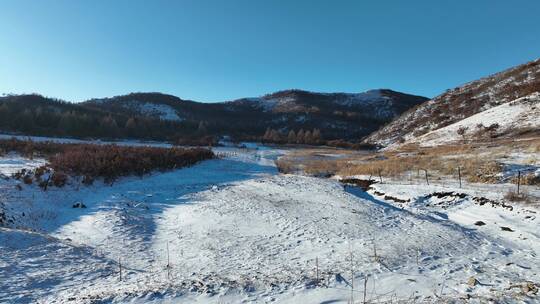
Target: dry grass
[(527, 179), (474, 169), (477, 162), (285, 166), (321, 168)]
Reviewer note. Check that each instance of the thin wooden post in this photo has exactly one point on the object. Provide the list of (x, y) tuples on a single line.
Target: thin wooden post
[(168, 263), (352, 278), (427, 181), (380, 176), (459, 175), (519, 181), (365, 289), (317, 269), (120, 266)]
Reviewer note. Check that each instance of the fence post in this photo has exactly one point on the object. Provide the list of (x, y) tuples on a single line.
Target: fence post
[(365, 289), (459, 175), (168, 263), (380, 176), (519, 181), (317, 269), (120, 266), (427, 181), (352, 278)]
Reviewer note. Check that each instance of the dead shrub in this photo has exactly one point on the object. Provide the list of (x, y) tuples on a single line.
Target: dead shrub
[(285, 166), (483, 172), (102, 161), (513, 196), (27, 179), (112, 161), (59, 179)]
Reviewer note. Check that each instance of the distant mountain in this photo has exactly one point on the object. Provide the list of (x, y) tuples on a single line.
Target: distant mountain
[(508, 101), (337, 115)]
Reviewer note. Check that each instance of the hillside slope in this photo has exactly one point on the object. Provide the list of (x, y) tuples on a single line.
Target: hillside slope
[(512, 119), (460, 103)]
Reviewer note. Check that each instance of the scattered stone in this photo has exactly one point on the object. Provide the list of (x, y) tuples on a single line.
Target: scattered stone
[(479, 223), (395, 199), (364, 184), (447, 194), (506, 229), (79, 205), (482, 201), (529, 288), (472, 281)]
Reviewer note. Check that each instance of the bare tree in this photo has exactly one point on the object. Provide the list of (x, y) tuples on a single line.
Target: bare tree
[(461, 131)]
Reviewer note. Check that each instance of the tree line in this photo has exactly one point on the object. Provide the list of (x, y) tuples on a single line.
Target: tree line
[(309, 137)]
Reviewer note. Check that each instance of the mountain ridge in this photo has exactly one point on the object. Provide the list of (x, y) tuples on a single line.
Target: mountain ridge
[(338, 116)]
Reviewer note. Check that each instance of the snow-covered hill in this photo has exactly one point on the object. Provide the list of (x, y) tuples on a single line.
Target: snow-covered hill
[(512, 119), (460, 103)]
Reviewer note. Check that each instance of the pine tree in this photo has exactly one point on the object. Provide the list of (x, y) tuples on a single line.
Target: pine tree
[(275, 136), (307, 137), (316, 135), (202, 128), (131, 123), (267, 135), (291, 138), (300, 137)]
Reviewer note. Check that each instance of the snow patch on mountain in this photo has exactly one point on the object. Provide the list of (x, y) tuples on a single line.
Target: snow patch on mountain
[(371, 96), (162, 111)]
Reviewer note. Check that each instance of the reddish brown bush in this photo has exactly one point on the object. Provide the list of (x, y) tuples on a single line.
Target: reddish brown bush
[(59, 179), (112, 161), (106, 161), (27, 179)]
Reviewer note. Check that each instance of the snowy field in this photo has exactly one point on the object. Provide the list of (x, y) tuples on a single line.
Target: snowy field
[(233, 230)]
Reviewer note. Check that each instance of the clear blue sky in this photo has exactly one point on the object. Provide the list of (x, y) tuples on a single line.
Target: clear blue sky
[(225, 49)]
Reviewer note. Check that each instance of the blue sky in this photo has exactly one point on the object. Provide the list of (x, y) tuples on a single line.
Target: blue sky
[(226, 49)]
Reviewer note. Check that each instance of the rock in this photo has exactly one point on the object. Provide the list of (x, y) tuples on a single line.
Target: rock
[(529, 287), (479, 223), (507, 229), (472, 281), (79, 205)]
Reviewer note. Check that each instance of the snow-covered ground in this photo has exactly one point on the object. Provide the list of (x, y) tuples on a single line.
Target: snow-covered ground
[(12, 163), (232, 230), (81, 141)]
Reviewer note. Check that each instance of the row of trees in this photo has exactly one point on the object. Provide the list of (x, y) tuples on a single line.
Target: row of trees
[(58, 120), (313, 137)]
